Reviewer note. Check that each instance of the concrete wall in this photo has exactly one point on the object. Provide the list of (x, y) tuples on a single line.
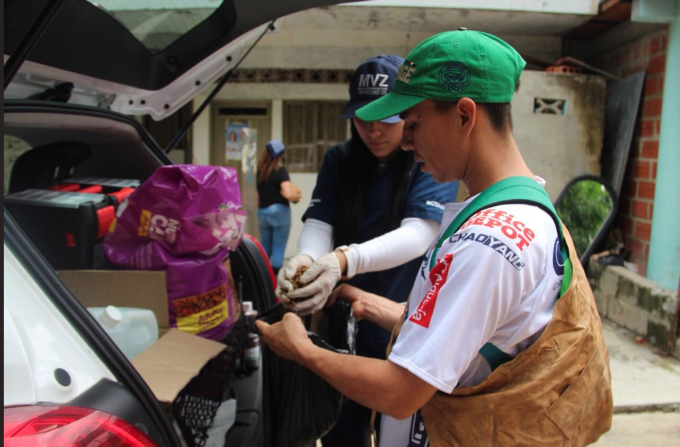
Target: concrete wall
[(342, 37), (331, 49), (635, 303), (560, 147), (556, 6)]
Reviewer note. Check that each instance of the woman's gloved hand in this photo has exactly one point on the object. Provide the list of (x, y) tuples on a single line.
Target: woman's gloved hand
[(286, 274), (320, 279)]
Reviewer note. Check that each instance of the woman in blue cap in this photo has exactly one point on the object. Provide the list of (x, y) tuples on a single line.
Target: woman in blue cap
[(274, 190), (372, 216)]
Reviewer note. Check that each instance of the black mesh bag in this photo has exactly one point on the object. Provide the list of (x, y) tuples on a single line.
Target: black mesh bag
[(300, 406), (195, 407)]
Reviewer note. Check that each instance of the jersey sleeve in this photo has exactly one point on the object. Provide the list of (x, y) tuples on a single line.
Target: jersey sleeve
[(478, 281), (325, 198), (426, 198)]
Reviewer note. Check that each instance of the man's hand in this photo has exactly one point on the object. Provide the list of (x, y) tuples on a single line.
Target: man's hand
[(286, 274), (353, 295), (287, 338), (369, 306), (320, 278)]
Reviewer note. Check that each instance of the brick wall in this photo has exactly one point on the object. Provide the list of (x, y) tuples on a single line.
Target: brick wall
[(636, 203)]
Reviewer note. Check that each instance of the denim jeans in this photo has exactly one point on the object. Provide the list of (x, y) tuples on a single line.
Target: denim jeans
[(274, 230)]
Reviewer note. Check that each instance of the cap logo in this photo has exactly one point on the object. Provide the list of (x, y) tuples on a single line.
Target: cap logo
[(405, 72), (373, 84), (454, 77)]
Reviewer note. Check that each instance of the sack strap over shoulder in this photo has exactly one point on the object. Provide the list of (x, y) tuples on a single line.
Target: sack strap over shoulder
[(512, 190)]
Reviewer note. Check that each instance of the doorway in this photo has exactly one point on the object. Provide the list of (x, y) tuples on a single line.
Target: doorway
[(251, 115)]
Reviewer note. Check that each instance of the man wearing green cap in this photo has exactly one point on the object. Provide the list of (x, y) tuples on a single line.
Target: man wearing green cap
[(500, 342)]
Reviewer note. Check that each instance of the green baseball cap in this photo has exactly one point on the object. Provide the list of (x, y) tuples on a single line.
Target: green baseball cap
[(450, 66)]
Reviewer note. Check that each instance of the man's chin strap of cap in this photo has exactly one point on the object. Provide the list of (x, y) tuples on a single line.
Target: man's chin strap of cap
[(512, 190)]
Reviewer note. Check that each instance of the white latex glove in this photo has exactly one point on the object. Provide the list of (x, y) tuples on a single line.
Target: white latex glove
[(320, 278), (283, 279)]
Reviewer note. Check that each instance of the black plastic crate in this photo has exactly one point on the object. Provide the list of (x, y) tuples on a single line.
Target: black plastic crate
[(64, 226)]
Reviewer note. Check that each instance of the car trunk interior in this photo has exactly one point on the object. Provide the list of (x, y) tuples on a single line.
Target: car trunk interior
[(117, 147)]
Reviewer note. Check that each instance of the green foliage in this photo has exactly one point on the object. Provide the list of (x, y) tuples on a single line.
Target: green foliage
[(584, 209)]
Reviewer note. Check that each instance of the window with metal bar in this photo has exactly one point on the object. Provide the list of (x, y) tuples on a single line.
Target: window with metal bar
[(310, 128)]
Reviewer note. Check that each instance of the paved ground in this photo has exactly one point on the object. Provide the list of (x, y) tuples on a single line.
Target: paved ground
[(642, 430), (646, 390), (640, 376)]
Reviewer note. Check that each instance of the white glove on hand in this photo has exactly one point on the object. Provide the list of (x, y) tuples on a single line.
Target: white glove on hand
[(286, 274), (322, 276)]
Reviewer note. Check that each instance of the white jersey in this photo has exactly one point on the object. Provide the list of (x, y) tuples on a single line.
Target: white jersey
[(496, 281)]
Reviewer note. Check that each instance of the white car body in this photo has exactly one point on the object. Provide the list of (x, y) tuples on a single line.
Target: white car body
[(39, 341)]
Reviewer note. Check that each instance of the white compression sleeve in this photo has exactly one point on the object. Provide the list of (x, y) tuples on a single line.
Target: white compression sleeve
[(409, 241), (316, 239)]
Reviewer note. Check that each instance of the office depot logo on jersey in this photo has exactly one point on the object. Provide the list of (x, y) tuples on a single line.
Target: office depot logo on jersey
[(423, 314), (511, 228)]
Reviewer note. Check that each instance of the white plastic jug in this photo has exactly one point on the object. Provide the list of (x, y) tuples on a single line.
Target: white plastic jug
[(132, 329)]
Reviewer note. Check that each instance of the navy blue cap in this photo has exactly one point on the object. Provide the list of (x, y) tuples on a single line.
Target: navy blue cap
[(373, 79), (275, 148)]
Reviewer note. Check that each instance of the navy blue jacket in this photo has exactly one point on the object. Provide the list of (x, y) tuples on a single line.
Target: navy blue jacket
[(424, 199)]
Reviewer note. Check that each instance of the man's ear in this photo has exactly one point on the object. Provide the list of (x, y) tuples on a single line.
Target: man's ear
[(467, 111)]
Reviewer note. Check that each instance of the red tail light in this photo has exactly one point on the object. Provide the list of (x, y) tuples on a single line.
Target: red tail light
[(69, 427)]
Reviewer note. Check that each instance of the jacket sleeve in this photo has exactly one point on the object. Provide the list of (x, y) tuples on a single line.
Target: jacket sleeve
[(326, 196), (426, 198)]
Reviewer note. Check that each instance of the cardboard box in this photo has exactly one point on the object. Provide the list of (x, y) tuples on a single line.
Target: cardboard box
[(121, 288), (168, 365)]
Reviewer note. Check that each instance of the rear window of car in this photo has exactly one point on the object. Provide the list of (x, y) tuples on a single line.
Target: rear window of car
[(157, 24)]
